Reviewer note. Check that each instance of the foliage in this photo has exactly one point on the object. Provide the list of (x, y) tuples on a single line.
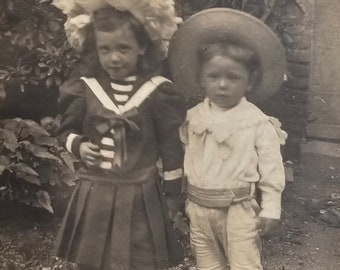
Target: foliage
[(33, 43), (34, 46), (188, 7), (34, 50), (30, 161)]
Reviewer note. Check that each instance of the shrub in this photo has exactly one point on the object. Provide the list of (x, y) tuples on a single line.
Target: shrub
[(33, 43), (31, 161)]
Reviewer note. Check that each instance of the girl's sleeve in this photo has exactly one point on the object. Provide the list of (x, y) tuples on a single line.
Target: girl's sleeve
[(72, 107), (169, 113), (272, 178)]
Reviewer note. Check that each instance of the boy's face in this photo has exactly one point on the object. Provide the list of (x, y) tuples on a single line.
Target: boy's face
[(118, 52), (225, 81)]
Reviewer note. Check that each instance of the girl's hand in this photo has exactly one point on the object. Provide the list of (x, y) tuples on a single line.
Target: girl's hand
[(89, 154), (173, 206), (268, 227)]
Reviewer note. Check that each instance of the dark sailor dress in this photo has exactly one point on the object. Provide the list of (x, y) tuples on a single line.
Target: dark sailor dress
[(116, 217)]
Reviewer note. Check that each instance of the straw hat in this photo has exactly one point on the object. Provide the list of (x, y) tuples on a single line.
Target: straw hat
[(226, 24)]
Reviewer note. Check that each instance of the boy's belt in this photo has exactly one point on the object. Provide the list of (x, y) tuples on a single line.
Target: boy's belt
[(217, 197)]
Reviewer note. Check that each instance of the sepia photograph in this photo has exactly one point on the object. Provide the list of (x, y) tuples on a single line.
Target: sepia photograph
[(169, 135)]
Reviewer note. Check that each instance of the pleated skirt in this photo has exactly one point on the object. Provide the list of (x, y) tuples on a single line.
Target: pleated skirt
[(111, 226)]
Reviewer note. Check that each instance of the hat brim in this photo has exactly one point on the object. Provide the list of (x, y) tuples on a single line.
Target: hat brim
[(226, 24)]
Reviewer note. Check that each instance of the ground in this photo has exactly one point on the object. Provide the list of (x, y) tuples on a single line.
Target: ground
[(304, 242)]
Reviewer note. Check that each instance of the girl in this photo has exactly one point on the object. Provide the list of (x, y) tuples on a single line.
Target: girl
[(232, 149), (119, 120)]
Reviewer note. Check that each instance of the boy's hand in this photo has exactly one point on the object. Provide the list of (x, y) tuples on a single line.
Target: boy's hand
[(268, 227), (89, 154), (173, 206)]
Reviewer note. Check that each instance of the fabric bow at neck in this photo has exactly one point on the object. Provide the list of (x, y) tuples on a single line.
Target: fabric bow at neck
[(118, 126)]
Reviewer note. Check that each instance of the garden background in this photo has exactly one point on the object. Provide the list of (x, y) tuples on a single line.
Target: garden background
[(37, 175)]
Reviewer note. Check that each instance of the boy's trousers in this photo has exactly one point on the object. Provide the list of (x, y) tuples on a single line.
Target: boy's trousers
[(220, 233)]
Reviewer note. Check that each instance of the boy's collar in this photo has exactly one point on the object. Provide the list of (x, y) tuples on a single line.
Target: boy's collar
[(217, 108)]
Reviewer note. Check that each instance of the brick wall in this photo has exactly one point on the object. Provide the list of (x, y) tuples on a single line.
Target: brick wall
[(291, 19)]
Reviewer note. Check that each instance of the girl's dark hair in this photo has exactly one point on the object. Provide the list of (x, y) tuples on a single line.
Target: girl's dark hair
[(110, 19), (236, 52)]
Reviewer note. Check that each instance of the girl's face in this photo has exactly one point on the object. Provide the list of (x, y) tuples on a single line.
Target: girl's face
[(225, 81), (118, 52)]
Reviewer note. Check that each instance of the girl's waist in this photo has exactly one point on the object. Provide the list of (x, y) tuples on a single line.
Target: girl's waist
[(135, 176)]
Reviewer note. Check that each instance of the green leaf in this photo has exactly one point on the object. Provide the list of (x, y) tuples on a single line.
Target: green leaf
[(49, 82), (24, 172), (57, 80), (8, 139), (3, 74), (42, 65), (4, 161), (15, 125), (49, 173), (25, 69), (24, 128), (39, 152), (35, 127), (68, 177), (44, 140), (44, 201), (54, 26), (67, 158)]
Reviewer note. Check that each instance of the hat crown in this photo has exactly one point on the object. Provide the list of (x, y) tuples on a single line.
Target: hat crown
[(214, 25), (157, 16)]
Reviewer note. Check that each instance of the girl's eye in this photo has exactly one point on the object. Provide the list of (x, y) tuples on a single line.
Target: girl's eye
[(103, 50), (233, 77), (124, 49)]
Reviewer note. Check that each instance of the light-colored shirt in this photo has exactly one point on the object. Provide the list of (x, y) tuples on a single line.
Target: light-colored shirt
[(233, 149)]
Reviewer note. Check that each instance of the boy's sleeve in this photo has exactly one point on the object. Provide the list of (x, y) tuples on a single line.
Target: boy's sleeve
[(271, 170), (72, 107), (169, 113)]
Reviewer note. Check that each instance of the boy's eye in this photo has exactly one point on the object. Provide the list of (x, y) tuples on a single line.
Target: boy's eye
[(213, 75)]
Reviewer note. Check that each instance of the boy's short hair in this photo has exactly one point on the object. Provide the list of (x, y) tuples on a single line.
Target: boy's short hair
[(238, 53)]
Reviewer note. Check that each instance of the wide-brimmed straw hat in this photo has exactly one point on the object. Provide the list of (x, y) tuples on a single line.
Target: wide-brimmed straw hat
[(225, 24)]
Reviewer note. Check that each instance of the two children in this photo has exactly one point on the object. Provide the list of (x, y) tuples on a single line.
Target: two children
[(232, 149), (118, 120)]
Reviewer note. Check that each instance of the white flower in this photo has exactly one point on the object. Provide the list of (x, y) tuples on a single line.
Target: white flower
[(157, 16), (91, 5), (64, 5), (80, 21)]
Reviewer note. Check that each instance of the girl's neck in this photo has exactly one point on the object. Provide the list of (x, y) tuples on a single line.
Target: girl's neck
[(130, 78)]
